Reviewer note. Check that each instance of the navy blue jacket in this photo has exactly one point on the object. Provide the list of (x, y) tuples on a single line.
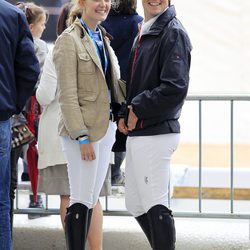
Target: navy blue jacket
[(123, 29), (19, 67), (159, 76)]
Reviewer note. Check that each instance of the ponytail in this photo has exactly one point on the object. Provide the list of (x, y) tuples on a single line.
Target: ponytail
[(75, 12)]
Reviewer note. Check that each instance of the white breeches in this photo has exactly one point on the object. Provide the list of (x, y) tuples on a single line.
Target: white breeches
[(87, 177), (147, 171)]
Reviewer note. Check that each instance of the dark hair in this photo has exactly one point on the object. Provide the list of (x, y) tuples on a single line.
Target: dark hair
[(32, 11), (63, 17), (125, 7)]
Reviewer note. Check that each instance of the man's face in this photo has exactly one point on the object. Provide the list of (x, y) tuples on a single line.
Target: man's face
[(153, 7)]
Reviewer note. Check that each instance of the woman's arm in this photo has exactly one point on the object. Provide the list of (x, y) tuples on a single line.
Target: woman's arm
[(46, 90)]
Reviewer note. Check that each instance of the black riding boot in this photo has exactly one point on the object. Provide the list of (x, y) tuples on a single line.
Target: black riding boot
[(76, 226), (162, 228), (144, 224)]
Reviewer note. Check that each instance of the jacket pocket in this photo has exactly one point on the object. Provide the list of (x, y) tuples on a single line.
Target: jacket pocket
[(87, 96), (88, 105), (85, 64)]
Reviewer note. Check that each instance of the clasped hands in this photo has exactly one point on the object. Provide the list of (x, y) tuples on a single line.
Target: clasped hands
[(132, 120), (87, 150)]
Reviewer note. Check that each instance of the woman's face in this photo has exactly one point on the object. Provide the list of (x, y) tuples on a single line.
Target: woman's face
[(153, 7), (37, 28), (94, 11)]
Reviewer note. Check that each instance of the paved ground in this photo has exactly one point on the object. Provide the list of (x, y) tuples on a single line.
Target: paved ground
[(123, 233)]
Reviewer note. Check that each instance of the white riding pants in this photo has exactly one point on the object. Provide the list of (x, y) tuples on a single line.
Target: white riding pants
[(87, 177), (147, 171)]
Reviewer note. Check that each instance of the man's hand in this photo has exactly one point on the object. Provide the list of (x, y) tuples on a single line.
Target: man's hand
[(87, 152), (122, 126), (132, 119)]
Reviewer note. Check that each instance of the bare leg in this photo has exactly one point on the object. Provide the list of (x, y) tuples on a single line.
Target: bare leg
[(95, 230), (63, 207)]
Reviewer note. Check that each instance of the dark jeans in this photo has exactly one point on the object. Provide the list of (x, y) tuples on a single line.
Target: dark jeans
[(5, 138), (116, 167)]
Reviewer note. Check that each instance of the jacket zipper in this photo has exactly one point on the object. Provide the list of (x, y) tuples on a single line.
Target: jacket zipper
[(136, 53)]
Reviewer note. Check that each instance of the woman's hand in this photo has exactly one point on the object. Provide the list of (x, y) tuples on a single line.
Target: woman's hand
[(87, 152), (122, 126), (132, 119)]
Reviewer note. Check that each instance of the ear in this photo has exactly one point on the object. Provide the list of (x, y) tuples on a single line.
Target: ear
[(31, 26)]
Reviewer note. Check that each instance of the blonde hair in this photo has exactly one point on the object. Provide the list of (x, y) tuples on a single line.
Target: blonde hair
[(33, 12), (75, 12)]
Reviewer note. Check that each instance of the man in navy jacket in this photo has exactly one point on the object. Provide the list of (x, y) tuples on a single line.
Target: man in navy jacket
[(156, 90), (19, 70)]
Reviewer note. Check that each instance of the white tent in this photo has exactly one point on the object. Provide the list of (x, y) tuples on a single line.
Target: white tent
[(220, 34)]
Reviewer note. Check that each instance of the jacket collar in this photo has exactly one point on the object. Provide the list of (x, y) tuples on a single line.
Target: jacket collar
[(162, 21), (87, 43), (84, 32)]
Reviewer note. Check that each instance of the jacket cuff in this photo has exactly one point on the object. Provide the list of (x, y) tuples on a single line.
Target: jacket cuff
[(75, 134), (123, 110)]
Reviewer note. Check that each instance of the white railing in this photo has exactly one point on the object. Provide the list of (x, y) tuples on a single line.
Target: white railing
[(200, 99)]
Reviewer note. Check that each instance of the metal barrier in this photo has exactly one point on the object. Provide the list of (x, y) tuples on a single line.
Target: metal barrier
[(231, 215)]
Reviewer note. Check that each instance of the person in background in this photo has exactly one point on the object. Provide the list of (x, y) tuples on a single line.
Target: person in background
[(122, 23), (87, 75), (37, 17), (19, 70), (158, 83), (53, 175)]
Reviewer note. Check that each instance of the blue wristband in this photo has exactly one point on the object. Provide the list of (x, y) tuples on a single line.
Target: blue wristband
[(83, 142)]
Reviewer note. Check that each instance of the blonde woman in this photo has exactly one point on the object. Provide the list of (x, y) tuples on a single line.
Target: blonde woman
[(87, 73), (53, 175)]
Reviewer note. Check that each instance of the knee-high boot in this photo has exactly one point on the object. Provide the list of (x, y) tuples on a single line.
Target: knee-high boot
[(76, 226), (144, 224), (162, 228)]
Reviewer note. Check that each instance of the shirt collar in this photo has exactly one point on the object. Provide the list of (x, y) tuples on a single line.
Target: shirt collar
[(145, 26)]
